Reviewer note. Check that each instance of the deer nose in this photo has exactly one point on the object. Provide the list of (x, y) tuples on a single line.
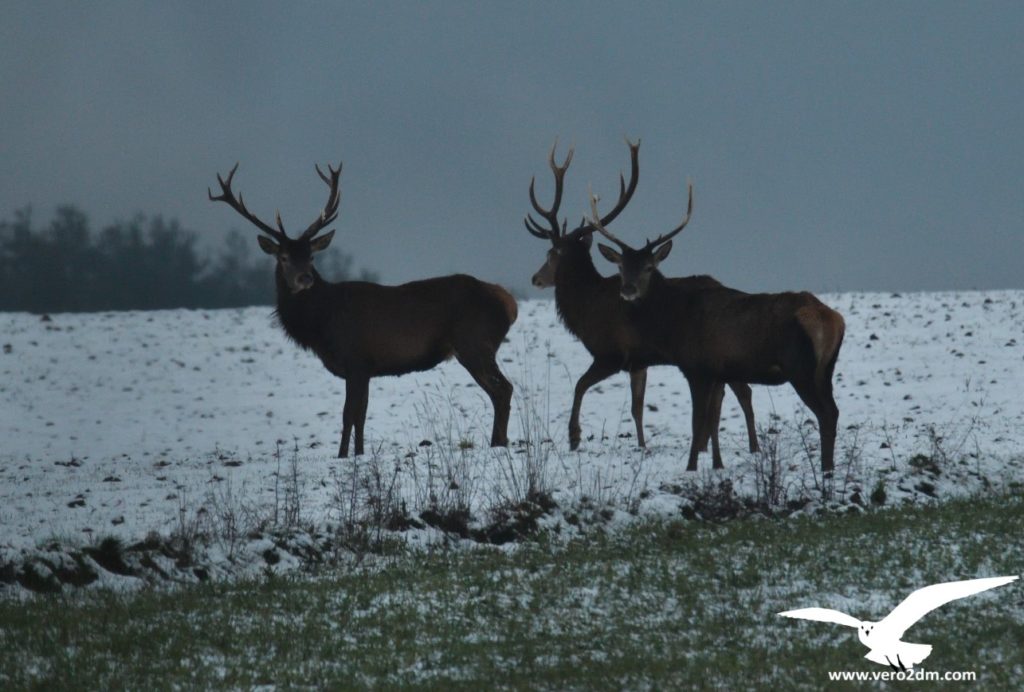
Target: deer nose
[(628, 291), (304, 280), (537, 281)]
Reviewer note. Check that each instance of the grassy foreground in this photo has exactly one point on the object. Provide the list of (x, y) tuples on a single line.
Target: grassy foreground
[(657, 605)]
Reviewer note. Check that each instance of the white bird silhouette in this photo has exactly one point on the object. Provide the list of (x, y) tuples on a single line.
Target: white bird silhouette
[(883, 637)]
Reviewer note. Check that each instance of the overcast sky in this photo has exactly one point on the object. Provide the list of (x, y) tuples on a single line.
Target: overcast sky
[(832, 146)]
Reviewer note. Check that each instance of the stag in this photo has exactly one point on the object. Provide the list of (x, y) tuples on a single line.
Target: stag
[(714, 333), (361, 330), (591, 310)]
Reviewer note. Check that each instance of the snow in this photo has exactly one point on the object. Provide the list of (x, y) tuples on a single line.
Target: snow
[(123, 424)]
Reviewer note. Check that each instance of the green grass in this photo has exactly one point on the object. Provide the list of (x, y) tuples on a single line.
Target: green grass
[(665, 605)]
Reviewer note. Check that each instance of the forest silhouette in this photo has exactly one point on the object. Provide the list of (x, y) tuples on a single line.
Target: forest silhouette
[(145, 263)]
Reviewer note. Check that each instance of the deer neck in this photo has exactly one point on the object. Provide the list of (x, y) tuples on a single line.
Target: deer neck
[(302, 315), (680, 299), (658, 288), (576, 285)]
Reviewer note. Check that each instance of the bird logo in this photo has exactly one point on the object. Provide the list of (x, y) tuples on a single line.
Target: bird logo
[(884, 638)]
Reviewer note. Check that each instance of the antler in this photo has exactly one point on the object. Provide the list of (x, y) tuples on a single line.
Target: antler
[(330, 210), (625, 194), (549, 215), (327, 215), (661, 239), (238, 205), (598, 223)]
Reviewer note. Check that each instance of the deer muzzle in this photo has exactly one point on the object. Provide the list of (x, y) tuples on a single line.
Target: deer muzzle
[(302, 281), (629, 292)]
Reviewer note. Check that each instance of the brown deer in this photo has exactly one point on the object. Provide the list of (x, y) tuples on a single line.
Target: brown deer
[(361, 330), (714, 333), (589, 306)]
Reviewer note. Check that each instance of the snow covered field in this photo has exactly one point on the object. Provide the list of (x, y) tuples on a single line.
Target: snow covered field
[(121, 424)]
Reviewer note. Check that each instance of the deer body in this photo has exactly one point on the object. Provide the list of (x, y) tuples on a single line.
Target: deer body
[(361, 330), (591, 309), (416, 325), (589, 306), (607, 326), (721, 334), (762, 338), (710, 327), (714, 334)]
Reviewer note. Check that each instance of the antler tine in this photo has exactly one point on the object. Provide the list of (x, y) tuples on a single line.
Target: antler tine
[(238, 205), (331, 169), (535, 229), (597, 224), (330, 210), (550, 215), (625, 191), (556, 169), (686, 219)]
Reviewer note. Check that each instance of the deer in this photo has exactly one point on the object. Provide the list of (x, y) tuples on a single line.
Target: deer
[(589, 307), (713, 333), (360, 330)]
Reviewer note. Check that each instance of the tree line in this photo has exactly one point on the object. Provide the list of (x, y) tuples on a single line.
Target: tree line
[(145, 263)]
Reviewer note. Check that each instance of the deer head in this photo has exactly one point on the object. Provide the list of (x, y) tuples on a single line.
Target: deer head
[(294, 255), (636, 267), (580, 237)]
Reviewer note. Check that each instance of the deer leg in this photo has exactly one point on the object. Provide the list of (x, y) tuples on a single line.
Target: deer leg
[(716, 404), (714, 416), (346, 422), (744, 396), (486, 373), (360, 413), (824, 408), (638, 387), (828, 423), (354, 414), (701, 392), (598, 370)]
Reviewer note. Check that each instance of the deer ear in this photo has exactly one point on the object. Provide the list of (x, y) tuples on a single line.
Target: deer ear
[(267, 245), (661, 253), (609, 254), (321, 242)]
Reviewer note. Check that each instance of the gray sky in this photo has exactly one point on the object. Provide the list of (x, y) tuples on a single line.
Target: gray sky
[(833, 146)]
